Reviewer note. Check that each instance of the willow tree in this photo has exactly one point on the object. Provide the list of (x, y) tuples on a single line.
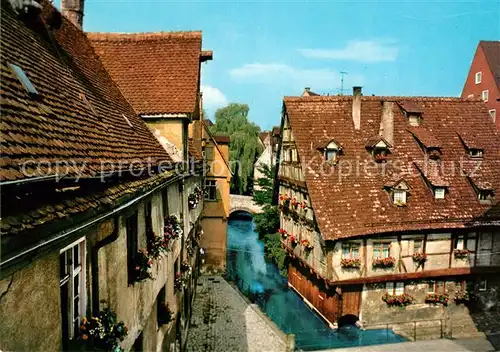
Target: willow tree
[(244, 146)]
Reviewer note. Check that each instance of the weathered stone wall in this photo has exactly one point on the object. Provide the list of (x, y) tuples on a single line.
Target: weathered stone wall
[(214, 243), (30, 312)]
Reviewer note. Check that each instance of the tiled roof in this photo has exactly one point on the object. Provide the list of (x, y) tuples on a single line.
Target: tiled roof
[(352, 201), (193, 152), (79, 118), (263, 135), (491, 50), (157, 72), (425, 136), (222, 138)]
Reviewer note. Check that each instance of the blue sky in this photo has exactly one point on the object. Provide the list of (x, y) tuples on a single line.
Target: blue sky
[(266, 50)]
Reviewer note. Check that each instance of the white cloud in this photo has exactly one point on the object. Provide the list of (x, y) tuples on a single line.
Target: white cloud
[(298, 78), (213, 98), (357, 50)]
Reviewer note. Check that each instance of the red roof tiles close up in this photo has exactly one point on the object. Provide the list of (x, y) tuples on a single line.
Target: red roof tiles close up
[(159, 73), (351, 197)]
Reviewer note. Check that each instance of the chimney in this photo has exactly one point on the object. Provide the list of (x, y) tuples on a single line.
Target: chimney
[(387, 122), (308, 89), (73, 11), (356, 107)]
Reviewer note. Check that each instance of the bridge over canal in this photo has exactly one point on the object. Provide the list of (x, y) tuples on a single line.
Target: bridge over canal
[(243, 203)]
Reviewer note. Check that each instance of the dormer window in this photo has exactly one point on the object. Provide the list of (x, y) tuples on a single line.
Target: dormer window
[(484, 190), (379, 148), (439, 192), (412, 112), (475, 153), (485, 195), (330, 150), (399, 192)]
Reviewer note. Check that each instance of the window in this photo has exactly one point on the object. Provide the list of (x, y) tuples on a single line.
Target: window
[(211, 189), (350, 250), (484, 95), (414, 119), (73, 288), (460, 242), (164, 202), (132, 246), (436, 287), (493, 114), (418, 246), (148, 215), (482, 285), (399, 196), (484, 194), (21, 76), (209, 153), (395, 288), (381, 250), (331, 154), (470, 96), (439, 192), (478, 77), (475, 153)]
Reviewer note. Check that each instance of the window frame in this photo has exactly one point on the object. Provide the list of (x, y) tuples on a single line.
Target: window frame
[(485, 95), (493, 114), (381, 249), (479, 75), (210, 186), (70, 332), (400, 192), (420, 241), (438, 286), (440, 189), (394, 288), (23, 78), (350, 246)]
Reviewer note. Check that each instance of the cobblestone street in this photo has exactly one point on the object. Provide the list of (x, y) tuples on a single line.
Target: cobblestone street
[(223, 321)]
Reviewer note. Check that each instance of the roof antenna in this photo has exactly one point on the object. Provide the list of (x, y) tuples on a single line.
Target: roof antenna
[(342, 74)]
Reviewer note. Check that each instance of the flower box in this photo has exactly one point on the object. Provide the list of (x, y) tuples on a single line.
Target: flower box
[(435, 298), (143, 263), (419, 257), (461, 253), (307, 245), (103, 332), (384, 262), (398, 300), (172, 228), (462, 296), (350, 263)]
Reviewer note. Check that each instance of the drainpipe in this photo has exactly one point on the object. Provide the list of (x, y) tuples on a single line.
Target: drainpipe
[(95, 265)]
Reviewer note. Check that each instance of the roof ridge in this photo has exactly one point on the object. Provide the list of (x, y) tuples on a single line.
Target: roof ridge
[(141, 36), (368, 98)]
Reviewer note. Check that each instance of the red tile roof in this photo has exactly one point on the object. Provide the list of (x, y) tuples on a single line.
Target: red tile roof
[(350, 199), (80, 117), (158, 73), (425, 136), (491, 50), (222, 139)]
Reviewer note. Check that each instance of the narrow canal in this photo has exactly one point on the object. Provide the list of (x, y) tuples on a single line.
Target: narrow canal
[(261, 282)]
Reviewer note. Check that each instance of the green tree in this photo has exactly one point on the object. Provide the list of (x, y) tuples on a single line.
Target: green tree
[(268, 221), (264, 193), (244, 146)]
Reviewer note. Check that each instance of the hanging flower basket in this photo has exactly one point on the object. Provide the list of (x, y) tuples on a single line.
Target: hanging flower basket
[(349, 263), (419, 257), (435, 298), (157, 245), (307, 245), (186, 268), (143, 263), (303, 205), (103, 332), (294, 241), (294, 202), (384, 262), (461, 253), (398, 300)]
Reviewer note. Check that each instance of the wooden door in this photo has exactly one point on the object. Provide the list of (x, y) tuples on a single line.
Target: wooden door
[(351, 299)]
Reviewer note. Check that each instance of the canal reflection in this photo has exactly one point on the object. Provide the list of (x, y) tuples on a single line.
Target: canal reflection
[(262, 283)]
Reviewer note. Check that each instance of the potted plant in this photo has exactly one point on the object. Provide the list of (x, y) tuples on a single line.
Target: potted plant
[(192, 201), (157, 245), (461, 253), (354, 263), (419, 257), (103, 331), (294, 241), (178, 282), (143, 263), (307, 245), (398, 300), (462, 296), (384, 262), (294, 202), (186, 268), (436, 298), (303, 205), (172, 228)]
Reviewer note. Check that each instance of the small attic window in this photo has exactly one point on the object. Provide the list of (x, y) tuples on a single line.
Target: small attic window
[(331, 152), (379, 148), (127, 120), (439, 192), (399, 197), (485, 195), (414, 119), (21, 76), (412, 112), (475, 153)]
